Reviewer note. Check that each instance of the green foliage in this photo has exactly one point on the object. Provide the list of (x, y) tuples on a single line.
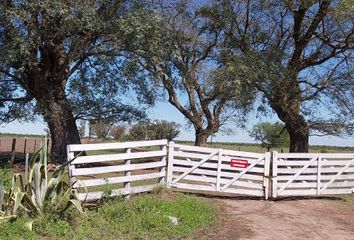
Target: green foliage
[(155, 130), (118, 131), (100, 128), (164, 130), (142, 217), (140, 131), (270, 135), (40, 193), (5, 177)]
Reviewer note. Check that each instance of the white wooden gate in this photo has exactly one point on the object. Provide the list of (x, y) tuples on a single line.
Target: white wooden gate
[(117, 168), (218, 170), (312, 174)]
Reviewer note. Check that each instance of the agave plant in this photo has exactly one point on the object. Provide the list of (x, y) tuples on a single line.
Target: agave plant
[(40, 193)]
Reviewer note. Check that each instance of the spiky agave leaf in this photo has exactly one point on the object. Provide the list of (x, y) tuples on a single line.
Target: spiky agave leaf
[(76, 203), (31, 164), (18, 196)]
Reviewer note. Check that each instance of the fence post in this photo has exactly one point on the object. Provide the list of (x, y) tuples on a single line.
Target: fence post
[(13, 152), (163, 168), (218, 173), (266, 174), (127, 174), (70, 155), (274, 174), (170, 163), (25, 146), (34, 146), (319, 160)]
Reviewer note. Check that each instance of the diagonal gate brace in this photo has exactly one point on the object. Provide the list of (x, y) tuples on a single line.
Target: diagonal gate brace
[(195, 166)]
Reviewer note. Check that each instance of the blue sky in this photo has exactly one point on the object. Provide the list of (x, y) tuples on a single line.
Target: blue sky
[(168, 112)]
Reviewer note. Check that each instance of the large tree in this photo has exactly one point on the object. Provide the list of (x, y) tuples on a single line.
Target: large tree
[(299, 55), (64, 60), (186, 66)]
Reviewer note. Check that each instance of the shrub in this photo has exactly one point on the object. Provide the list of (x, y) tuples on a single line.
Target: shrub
[(40, 193)]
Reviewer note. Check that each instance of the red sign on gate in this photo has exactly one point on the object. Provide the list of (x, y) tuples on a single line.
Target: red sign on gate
[(239, 163)]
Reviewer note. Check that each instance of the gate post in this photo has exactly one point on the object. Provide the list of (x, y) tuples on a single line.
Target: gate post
[(266, 175), (218, 173), (170, 164), (274, 174)]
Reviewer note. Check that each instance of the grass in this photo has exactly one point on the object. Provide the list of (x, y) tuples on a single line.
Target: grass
[(5, 177), (142, 217), (349, 199)]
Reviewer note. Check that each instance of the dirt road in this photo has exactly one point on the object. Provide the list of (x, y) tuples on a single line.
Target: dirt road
[(288, 219)]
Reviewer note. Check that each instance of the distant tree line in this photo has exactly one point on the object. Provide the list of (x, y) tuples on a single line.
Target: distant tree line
[(143, 130)]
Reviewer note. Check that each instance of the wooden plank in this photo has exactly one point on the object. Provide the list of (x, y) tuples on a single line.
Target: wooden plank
[(193, 187), (314, 170), (232, 153), (122, 145), (349, 184), (91, 196), (266, 174), (223, 173), (218, 170), (116, 168), (213, 180), (325, 162), (274, 174), (114, 180), (248, 192), (313, 192), (193, 156), (211, 189), (163, 168), (312, 155), (215, 166), (117, 157), (318, 175), (240, 174), (170, 163), (297, 174), (195, 166), (314, 177), (127, 173)]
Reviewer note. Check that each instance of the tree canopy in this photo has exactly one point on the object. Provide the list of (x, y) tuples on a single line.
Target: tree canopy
[(186, 66), (64, 60), (299, 56), (270, 135)]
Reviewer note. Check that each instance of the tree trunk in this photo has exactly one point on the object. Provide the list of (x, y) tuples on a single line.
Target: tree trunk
[(299, 137), (57, 113), (201, 137)]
